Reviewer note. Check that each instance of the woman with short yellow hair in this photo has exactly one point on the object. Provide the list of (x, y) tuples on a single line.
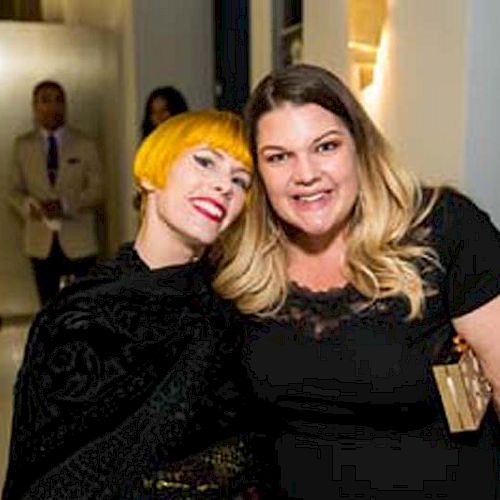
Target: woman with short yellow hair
[(121, 370)]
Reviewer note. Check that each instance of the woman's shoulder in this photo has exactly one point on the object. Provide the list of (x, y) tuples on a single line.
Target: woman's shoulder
[(454, 211), (460, 230), (452, 201)]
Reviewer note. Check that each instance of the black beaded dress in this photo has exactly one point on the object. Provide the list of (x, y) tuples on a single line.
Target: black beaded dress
[(351, 394), (128, 389)]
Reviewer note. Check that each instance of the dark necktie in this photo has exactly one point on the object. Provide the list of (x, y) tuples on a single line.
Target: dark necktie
[(52, 161)]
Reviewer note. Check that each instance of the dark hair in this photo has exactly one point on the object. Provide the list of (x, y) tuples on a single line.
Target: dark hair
[(44, 84), (175, 101), (306, 84)]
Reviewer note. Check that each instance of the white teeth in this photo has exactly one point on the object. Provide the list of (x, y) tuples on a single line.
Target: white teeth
[(210, 208), (311, 197)]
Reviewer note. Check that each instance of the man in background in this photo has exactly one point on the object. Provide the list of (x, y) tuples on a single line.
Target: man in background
[(56, 187)]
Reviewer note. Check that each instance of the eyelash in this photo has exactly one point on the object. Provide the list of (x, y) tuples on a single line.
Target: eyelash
[(324, 147), (277, 158), (327, 146), (203, 161), (242, 183)]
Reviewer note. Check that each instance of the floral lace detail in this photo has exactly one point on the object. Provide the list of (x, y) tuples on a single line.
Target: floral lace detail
[(319, 314)]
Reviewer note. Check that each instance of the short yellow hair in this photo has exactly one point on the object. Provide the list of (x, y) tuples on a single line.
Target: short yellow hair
[(221, 130)]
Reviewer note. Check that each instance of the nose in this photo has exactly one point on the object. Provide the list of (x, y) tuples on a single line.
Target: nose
[(223, 184), (305, 171)]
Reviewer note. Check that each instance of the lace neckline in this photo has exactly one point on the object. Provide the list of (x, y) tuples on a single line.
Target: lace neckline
[(330, 293), (319, 314)]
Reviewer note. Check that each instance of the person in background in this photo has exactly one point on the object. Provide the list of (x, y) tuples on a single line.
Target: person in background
[(122, 371), (353, 276), (161, 104), (56, 186)]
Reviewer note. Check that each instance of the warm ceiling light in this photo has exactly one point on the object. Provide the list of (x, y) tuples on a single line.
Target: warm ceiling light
[(366, 21)]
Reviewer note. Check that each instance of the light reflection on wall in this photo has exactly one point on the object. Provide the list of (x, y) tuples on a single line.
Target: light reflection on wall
[(373, 94), (366, 20)]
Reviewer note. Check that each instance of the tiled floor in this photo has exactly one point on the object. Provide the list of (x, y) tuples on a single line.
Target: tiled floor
[(12, 339)]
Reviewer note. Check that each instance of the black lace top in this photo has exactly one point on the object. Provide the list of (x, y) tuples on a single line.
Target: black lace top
[(352, 389), (127, 371)]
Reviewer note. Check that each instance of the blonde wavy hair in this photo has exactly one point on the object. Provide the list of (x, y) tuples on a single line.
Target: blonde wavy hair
[(387, 249), (222, 130)]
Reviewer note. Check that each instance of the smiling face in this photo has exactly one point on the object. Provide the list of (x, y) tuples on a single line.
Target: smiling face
[(204, 193), (308, 164)]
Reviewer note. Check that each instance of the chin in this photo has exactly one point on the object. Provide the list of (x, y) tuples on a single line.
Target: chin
[(201, 240)]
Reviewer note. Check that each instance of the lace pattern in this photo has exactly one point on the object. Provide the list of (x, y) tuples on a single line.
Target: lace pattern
[(320, 314)]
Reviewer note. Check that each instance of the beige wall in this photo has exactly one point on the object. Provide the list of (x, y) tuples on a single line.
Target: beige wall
[(261, 43), (325, 35), (422, 89)]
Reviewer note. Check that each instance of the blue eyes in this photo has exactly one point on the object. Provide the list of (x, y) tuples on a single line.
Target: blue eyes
[(242, 181)]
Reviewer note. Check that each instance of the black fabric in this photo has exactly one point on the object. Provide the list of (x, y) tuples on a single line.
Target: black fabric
[(56, 267), (126, 370), (359, 411)]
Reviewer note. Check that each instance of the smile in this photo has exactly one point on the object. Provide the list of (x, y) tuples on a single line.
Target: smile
[(311, 197), (210, 208)]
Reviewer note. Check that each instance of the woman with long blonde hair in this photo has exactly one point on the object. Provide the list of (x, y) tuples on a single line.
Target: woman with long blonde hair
[(354, 276)]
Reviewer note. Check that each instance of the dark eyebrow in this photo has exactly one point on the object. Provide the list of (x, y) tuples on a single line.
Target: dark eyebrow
[(332, 131)]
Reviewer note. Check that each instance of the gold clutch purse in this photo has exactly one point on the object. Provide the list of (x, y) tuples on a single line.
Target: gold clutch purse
[(464, 390)]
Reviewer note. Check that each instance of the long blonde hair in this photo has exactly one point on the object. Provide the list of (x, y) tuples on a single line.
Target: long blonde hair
[(387, 252)]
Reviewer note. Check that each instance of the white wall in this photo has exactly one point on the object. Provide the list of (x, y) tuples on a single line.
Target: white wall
[(482, 133), (173, 45), (261, 40), (325, 35), (421, 106)]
